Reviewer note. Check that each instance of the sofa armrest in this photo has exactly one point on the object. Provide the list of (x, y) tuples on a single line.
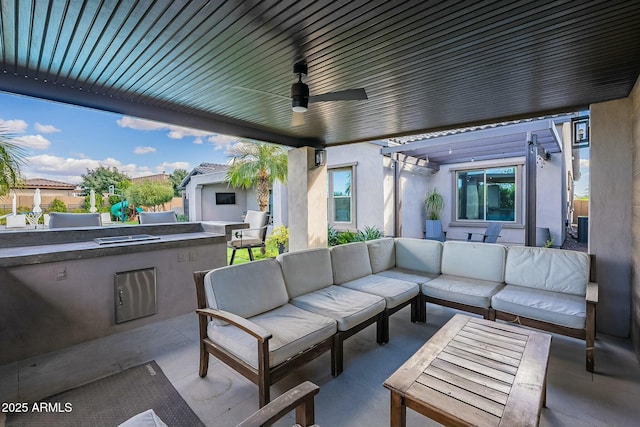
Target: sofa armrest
[(592, 293), (240, 322), (299, 397)]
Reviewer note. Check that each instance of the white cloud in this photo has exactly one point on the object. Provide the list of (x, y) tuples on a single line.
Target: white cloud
[(70, 169), (169, 167), (45, 128), (14, 126), (219, 141), (37, 142), (140, 124), (144, 150), (174, 132)]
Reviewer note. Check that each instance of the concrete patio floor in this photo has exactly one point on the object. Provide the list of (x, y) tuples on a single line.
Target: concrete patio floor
[(355, 398)]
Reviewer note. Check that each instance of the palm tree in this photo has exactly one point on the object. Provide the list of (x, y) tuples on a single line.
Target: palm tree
[(11, 159), (257, 164)]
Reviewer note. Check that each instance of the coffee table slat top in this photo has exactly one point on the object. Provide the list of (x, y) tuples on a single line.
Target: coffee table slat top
[(476, 372)]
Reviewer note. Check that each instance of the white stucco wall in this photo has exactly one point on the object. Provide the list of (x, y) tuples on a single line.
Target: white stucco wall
[(550, 198), (413, 186), (369, 179), (201, 198), (213, 212)]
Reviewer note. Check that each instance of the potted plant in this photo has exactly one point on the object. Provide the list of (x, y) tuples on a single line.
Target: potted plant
[(434, 203), (279, 238)]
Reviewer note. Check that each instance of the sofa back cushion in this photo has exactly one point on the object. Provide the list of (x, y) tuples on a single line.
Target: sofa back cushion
[(382, 254), (418, 254), (306, 271), (549, 269), (246, 289), (350, 262), (484, 261)]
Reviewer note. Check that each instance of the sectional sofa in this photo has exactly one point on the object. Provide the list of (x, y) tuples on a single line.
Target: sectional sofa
[(268, 317)]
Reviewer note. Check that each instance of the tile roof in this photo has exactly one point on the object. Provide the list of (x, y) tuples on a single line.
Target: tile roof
[(202, 169), (47, 183)]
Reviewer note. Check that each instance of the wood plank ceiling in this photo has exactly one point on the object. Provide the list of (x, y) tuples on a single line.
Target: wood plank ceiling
[(226, 66)]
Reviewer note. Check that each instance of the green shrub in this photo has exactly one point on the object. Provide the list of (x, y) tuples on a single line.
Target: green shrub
[(57, 205), (347, 237), (332, 236), (369, 233)]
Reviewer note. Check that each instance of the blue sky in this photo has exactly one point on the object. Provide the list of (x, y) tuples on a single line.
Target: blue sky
[(63, 141)]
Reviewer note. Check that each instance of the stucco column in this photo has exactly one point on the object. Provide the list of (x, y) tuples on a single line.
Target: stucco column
[(307, 197), (610, 187)]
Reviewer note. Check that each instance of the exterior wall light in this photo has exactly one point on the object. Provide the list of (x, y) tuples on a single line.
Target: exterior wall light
[(580, 132), (321, 157)]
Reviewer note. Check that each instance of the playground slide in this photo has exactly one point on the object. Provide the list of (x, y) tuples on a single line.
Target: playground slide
[(116, 210)]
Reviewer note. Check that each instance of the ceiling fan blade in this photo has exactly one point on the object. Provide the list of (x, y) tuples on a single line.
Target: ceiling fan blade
[(297, 119), (341, 95)]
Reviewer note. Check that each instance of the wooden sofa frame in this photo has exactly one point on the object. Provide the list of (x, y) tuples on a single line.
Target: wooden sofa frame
[(588, 333), (265, 375), (299, 398)]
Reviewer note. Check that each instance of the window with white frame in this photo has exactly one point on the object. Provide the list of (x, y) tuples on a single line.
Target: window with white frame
[(341, 195), (490, 194)]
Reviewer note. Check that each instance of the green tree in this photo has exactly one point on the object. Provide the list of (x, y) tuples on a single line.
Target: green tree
[(257, 165), (100, 178), (176, 178), (150, 194), (12, 157)]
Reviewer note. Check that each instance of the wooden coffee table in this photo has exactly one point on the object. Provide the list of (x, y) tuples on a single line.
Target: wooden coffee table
[(474, 372)]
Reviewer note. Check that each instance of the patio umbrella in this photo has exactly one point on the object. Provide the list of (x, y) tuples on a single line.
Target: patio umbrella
[(36, 201), (14, 210), (92, 201)]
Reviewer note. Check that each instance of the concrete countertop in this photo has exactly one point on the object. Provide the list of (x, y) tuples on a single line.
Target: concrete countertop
[(15, 256)]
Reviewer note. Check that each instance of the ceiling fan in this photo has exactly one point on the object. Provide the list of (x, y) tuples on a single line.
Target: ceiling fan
[(300, 97)]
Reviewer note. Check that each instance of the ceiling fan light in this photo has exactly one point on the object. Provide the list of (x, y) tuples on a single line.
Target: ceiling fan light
[(298, 108), (299, 97), (299, 103)]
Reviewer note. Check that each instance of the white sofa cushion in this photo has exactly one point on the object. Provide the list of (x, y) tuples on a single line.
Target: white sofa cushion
[(418, 277), (483, 261), (350, 262), (553, 307), (419, 255), (306, 271), (246, 289), (148, 418), (548, 269), (462, 290), (347, 306), (394, 291), (293, 330), (382, 254)]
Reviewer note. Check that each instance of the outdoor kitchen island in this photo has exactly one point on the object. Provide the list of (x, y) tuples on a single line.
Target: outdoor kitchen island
[(65, 286)]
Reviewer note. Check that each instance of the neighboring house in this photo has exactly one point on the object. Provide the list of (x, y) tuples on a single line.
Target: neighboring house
[(70, 194), (208, 197)]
